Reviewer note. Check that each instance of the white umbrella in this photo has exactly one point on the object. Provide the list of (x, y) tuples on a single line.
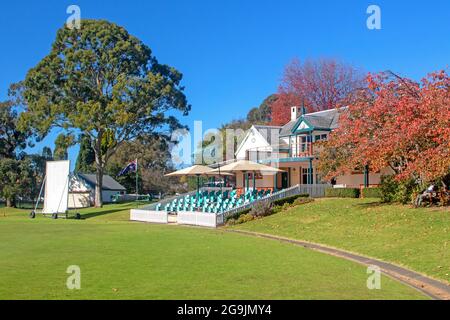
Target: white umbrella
[(245, 166), (197, 171)]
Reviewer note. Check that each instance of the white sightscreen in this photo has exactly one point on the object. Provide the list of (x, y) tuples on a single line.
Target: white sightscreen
[(56, 187)]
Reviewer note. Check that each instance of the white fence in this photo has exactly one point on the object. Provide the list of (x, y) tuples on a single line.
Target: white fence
[(149, 216), (314, 190), (183, 217), (197, 219)]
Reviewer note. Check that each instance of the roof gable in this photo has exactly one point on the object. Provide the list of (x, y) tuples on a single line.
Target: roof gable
[(108, 182), (302, 125), (322, 120), (254, 139)]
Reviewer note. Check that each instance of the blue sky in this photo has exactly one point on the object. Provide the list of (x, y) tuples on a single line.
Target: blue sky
[(232, 53)]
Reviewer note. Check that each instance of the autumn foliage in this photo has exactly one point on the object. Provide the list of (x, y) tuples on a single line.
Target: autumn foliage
[(396, 123), (317, 84)]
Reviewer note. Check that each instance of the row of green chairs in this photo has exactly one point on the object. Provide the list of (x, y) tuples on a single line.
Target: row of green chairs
[(213, 201)]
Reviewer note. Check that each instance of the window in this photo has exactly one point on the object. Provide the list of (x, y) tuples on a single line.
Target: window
[(304, 143), (305, 173), (320, 137)]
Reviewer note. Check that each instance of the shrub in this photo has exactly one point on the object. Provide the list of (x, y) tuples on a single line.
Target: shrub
[(276, 209), (388, 188), (398, 191), (289, 200), (262, 209), (371, 193), (342, 193), (406, 191), (286, 206), (245, 218), (238, 214)]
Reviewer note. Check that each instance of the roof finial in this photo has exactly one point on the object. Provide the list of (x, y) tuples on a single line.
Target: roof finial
[(303, 106)]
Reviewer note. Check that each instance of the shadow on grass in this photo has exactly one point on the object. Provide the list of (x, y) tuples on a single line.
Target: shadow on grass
[(109, 209), (375, 204), (85, 216), (92, 213)]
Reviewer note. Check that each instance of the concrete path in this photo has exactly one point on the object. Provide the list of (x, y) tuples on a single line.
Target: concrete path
[(435, 289)]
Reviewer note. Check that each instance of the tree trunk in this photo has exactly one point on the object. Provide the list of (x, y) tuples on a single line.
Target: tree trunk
[(99, 165), (10, 203), (98, 188)]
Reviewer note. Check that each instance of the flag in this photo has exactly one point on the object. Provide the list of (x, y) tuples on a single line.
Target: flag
[(131, 167)]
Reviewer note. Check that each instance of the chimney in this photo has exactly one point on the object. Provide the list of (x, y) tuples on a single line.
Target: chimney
[(294, 113)]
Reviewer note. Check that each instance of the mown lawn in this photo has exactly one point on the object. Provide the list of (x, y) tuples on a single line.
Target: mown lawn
[(126, 260), (416, 238)]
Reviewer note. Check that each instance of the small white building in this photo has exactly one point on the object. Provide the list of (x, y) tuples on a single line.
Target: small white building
[(82, 190)]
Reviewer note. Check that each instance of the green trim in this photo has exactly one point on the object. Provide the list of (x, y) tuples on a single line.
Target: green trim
[(299, 122), (290, 145)]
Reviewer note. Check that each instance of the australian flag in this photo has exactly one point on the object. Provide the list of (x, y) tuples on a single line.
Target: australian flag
[(131, 167)]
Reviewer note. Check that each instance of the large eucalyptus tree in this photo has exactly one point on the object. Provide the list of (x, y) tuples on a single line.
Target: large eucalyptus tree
[(104, 83)]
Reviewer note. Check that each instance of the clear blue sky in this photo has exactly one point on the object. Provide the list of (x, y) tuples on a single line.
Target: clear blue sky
[(232, 53)]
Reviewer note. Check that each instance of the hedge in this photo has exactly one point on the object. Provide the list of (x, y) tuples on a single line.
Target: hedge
[(290, 199), (342, 193), (371, 193), (279, 202), (238, 214)]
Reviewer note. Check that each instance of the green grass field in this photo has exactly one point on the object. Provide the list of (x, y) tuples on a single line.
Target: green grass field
[(125, 260), (416, 238)]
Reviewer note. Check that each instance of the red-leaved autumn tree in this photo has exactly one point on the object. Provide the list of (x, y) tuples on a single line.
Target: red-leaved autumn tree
[(318, 84), (396, 123)]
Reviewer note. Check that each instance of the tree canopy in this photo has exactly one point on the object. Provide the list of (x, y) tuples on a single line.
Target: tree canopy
[(396, 123), (102, 82), (154, 160), (62, 144), (12, 140), (263, 113), (86, 156), (15, 172), (317, 84)]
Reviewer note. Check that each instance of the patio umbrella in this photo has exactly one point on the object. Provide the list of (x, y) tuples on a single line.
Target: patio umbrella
[(197, 171), (245, 166)]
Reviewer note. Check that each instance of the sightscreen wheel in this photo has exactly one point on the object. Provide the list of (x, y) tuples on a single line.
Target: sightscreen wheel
[(78, 216), (55, 216), (32, 214)]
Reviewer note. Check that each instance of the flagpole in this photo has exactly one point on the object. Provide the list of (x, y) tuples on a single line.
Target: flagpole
[(137, 179)]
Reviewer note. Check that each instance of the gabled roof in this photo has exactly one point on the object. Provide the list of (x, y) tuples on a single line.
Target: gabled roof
[(321, 120), (287, 128), (327, 119), (266, 131), (108, 182)]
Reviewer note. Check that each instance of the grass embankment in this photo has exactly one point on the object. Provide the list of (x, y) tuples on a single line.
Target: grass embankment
[(416, 238)]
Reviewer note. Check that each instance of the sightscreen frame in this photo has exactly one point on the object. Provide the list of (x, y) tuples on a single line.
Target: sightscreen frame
[(56, 199)]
